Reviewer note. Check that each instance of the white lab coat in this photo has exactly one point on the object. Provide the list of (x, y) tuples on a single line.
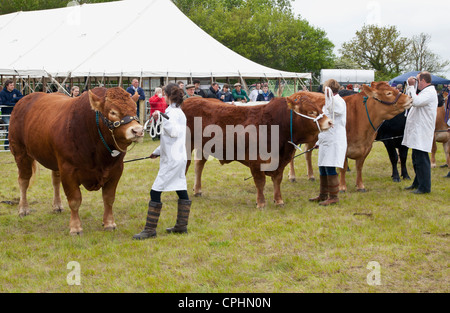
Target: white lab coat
[(172, 152), (333, 142), (421, 119)]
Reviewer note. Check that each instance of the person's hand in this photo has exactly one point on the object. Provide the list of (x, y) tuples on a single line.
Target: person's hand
[(154, 156), (412, 81), (155, 115)]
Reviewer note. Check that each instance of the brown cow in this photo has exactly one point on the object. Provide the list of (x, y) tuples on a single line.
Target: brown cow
[(441, 135), (365, 113), (243, 121), (75, 138)]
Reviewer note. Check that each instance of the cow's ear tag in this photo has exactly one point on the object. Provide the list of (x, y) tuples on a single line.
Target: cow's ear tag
[(114, 153)]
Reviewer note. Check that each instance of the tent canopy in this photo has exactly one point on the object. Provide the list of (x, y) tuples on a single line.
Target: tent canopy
[(435, 80), (139, 38)]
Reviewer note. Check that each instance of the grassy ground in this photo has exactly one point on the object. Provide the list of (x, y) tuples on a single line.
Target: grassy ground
[(231, 245)]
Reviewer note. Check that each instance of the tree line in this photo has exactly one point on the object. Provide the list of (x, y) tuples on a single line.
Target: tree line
[(268, 32)]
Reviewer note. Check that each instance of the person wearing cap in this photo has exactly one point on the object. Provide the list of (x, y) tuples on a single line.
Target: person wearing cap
[(239, 94), (190, 92)]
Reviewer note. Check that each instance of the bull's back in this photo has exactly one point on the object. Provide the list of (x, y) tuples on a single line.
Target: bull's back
[(215, 112), (36, 123)]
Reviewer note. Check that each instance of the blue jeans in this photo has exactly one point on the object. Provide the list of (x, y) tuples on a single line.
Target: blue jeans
[(327, 171)]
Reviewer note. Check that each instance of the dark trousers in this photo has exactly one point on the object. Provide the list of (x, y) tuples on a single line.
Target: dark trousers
[(327, 171), (422, 168), (155, 196)]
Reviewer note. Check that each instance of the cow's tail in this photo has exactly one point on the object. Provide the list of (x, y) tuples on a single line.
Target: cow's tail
[(35, 172)]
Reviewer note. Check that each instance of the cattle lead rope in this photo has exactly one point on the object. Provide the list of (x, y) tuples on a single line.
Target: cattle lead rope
[(113, 153), (316, 120)]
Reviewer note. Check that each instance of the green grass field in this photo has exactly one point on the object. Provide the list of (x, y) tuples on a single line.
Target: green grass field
[(231, 245)]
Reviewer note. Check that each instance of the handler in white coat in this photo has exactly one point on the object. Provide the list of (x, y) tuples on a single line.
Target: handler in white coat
[(171, 175), (419, 130), (332, 145)]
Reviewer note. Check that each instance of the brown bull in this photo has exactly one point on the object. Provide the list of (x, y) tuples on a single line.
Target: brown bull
[(366, 111), (441, 135), (75, 138), (243, 121)]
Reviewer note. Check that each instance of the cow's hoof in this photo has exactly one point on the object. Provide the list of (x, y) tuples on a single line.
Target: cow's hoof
[(76, 232), (110, 228), (198, 194), (443, 166), (362, 190), (279, 204), (312, 179), (292, 180), (261, 206), (406, 178), (58, 210), (24, 212), (396, 179)]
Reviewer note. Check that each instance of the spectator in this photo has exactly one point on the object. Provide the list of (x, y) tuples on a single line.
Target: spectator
[(255, 92), (213, 90), (239, 94), (347, 91), (419, 130), (190, 92), (135, 88), (8, 99), (198, 90), (181, 85), (157, 102), (399, 87), (75, 91), (266, 94), (225, 95)]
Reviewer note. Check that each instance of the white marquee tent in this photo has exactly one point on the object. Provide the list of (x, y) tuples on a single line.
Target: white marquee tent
[(130, 38)]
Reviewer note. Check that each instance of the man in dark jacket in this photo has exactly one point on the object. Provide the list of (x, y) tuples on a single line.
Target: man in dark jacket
[(8, 99), (135, 88), (225, 94), (212, 91)]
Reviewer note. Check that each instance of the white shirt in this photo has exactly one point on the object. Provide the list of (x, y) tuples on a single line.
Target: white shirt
[(172, 150), (421, 119), (333, 142), (254, 95)]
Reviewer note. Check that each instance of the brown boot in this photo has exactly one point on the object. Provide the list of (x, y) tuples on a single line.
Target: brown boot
[(154, 210), (323, 195), (184, 208), (333, 189)]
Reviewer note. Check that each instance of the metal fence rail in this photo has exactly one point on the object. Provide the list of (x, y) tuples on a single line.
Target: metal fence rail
[(4, 131)]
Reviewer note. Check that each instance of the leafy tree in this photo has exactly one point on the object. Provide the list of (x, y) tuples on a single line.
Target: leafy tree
[(266, 32), (422, 59), (378, 48)]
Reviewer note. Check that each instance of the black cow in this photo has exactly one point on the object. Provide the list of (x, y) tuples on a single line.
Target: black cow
[(391, 134)]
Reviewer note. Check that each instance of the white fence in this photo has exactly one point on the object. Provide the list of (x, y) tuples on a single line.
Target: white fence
[(4, 131)]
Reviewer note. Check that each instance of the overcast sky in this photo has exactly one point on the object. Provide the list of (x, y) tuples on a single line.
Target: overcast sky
[(342, 18)]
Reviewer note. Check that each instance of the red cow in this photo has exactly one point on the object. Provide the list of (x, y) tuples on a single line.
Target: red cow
[(78, 139), (296, 118)]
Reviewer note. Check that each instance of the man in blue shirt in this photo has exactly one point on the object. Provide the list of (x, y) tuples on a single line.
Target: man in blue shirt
[(135, 88), (8, 99)]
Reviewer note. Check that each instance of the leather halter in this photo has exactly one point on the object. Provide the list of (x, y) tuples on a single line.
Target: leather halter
[(390, 103), (111, 126)]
